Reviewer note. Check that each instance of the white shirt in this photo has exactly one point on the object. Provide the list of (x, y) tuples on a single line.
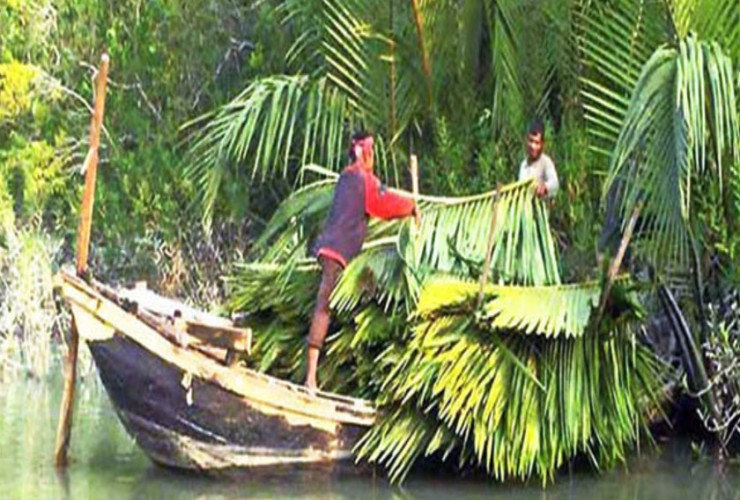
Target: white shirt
[(543, 170)]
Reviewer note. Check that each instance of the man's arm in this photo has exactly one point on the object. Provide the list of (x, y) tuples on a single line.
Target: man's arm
[(384, 204), (551, 178)]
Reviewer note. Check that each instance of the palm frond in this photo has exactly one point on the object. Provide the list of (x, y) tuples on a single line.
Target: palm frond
[(684, 102), (523, 249), (271, 123), (296, 220), (550, 311), (617, 39), (379, 274), (278, 301), (402, 437), (304, 55), (368, 52), (512, 405), (249, 286), (715, 20), (508, 89), (523, 252)]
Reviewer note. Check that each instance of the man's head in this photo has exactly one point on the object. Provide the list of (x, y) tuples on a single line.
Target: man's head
[(361, 150), (535, 140)]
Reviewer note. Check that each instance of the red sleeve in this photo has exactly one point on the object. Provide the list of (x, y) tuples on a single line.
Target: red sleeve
[(382, 203)]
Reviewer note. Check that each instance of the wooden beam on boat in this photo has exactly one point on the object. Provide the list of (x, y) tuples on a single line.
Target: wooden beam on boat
[(179, 336), (229, 338)]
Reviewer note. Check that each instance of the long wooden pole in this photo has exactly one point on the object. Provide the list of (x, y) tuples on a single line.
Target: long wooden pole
[(414, 170), (64, 426), (489, 248), (616, 264), (91, 168), (416, 224)]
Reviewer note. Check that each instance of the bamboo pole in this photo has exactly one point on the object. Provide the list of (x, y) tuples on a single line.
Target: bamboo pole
[(415, 228), (64, 426), (616, 264), (91, 169), (489, 247), (414, 168)]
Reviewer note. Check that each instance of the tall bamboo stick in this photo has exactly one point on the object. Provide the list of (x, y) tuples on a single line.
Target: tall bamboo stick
[(616, 264), (416, 224), (414, 168), (91, 168), (83, 243), (489, 247)]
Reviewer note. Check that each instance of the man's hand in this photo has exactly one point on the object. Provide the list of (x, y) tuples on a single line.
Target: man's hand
[(541, 190), (417, 215)]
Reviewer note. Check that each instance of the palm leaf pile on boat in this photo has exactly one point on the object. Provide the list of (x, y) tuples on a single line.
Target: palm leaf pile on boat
[(516, 380)]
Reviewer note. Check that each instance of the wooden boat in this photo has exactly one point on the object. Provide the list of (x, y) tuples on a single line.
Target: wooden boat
[(170, 373)]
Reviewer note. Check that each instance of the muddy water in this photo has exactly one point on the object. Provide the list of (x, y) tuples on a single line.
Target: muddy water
[(107, 464)]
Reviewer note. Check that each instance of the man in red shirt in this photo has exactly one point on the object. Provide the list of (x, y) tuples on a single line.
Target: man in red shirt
[(358, 195)]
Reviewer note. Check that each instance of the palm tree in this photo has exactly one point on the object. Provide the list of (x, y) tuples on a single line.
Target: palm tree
[(670, 113), (402, 69)]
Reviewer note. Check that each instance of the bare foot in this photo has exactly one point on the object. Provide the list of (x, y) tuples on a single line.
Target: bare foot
[(311, 389)]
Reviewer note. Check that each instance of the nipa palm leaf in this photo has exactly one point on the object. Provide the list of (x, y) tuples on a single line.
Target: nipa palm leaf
[(453, 233), (273, 120), (683, 110), (512, 404), (617, 39), (550, 311)]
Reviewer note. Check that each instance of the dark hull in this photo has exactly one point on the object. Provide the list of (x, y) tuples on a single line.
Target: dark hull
[(205, 427)]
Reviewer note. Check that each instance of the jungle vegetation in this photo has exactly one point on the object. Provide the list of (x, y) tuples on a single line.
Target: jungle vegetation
[(227, 124)]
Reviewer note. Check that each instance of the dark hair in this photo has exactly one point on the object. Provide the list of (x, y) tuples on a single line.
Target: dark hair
[(536, 128), (359, 135)]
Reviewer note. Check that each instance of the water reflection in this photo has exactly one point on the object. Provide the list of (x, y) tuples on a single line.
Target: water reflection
[(107, 464)]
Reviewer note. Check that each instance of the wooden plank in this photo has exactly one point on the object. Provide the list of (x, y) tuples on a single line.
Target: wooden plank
[(164, 306), (181, 337), (190, 327), (231, 338)]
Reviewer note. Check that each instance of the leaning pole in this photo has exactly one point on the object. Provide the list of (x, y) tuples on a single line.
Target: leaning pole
[(64, 426)]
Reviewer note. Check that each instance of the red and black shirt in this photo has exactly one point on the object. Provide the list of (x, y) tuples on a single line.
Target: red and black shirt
[(357, 196)]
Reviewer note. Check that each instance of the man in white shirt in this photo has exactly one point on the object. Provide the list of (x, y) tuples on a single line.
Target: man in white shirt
[(538, 165)]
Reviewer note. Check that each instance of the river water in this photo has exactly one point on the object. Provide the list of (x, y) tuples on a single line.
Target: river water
[(107, 464)]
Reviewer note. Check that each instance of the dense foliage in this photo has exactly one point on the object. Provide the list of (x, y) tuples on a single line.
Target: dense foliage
[(221, 114)]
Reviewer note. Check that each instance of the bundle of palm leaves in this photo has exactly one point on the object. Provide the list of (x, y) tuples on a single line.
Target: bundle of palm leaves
[(516, 380), (517, 386)]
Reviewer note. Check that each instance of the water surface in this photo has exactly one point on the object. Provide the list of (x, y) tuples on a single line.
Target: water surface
[(107, 464)]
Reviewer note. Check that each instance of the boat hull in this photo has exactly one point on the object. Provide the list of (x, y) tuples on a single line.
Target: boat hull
[(199, 425), (187, 410)]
